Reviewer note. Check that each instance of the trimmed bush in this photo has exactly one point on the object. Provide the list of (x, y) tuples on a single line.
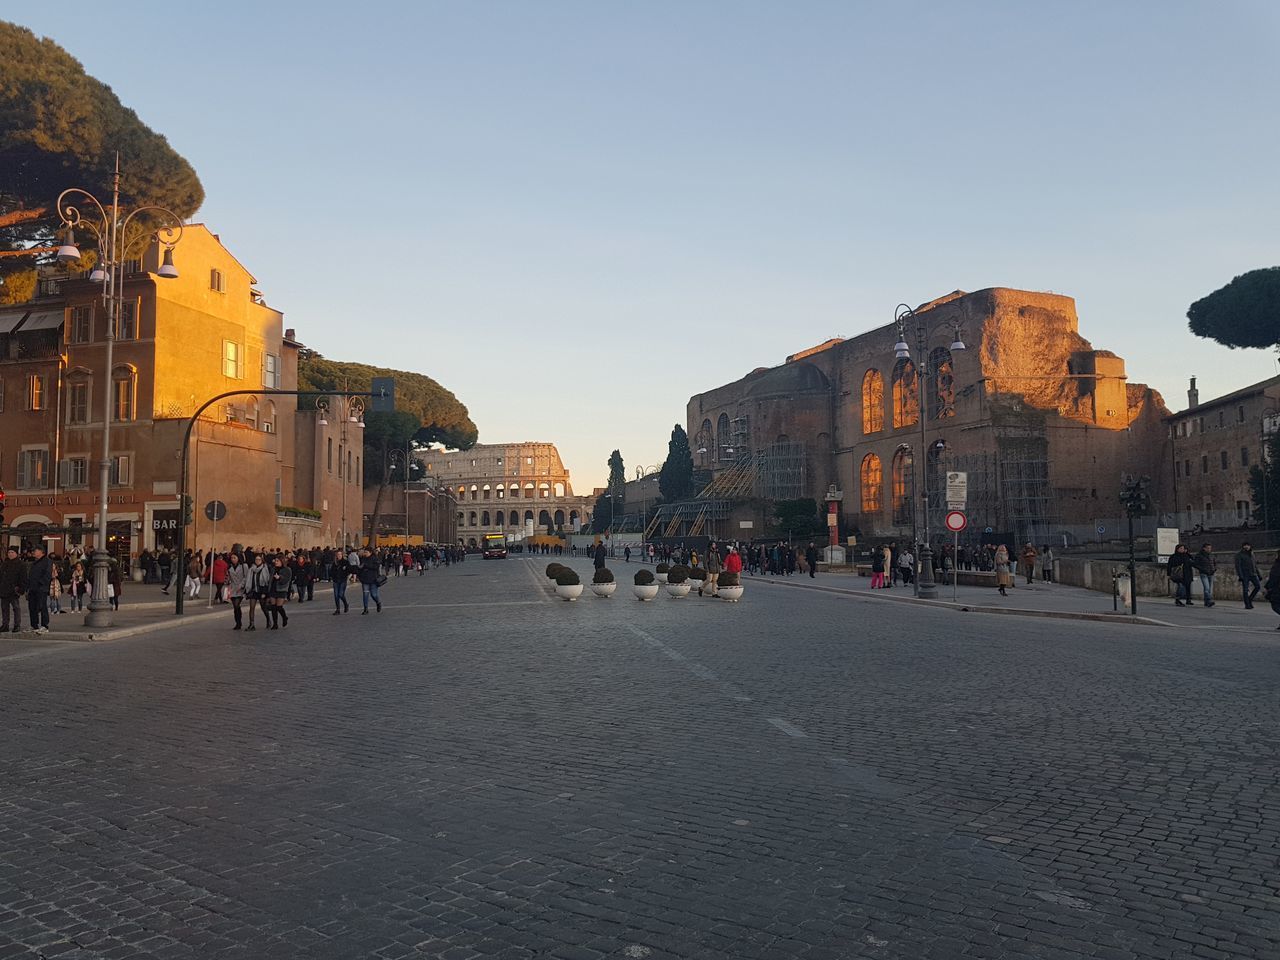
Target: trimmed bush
[(697, 573), (644, 578), (566, 578), (662, 568), (603, 575), (730, 580), (678, 574), (553, 568)]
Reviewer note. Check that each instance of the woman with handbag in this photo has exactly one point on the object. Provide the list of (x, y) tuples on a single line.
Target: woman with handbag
[(281, 581), (237, 581), (258, 590), (1004, 576)]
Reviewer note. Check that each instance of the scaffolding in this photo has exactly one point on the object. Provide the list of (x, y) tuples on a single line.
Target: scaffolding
[(1025, 492), (784, 471)]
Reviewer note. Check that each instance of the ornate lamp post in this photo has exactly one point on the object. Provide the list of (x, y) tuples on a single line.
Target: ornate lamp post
[(115, 243), (350, 410), (904, 316)]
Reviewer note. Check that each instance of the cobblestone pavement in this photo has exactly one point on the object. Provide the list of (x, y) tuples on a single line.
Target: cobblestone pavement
[(482, 771)]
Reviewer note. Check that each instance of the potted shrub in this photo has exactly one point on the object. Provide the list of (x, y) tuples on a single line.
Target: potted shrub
[(645, 587), (568, 586), (553, 568), (678, 581), (697, 578), (730, 587), (602, 583), (662, 570)]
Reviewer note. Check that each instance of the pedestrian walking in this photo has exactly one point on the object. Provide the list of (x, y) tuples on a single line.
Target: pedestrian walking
[(877, 568), (1028, 559), (258, 590), (237, 583), (39, 575), (281, 584), (1004, 576), (341, 575), (1247, 571), (713, 571), (811, 559), (371, 579), (13, 584), (1181, 571), (1206, 564), (1046, 564), (1273, 586)]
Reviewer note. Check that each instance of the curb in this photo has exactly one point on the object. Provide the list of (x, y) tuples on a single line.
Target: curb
[(119, 633)]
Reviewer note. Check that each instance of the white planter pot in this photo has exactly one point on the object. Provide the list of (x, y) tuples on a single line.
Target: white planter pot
[(604, 589), (662, 577), (645, 591), (678, 590), (570, 592), (733, 594)]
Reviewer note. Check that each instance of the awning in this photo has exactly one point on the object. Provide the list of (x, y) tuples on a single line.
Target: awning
[(42, 320), (10, 319)]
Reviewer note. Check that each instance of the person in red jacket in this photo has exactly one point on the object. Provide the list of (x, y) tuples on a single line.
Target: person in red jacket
[(218, 575), (733, 561)]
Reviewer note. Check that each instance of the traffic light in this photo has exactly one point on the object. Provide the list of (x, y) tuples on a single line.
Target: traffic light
[(188, 514), (1134, 496)]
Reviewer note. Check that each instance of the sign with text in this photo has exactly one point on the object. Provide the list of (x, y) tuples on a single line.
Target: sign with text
[(957, 489), (1166, 542)]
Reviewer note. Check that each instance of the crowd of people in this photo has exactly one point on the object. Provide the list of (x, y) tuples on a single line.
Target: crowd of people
[(48, 584), (1184, 568)]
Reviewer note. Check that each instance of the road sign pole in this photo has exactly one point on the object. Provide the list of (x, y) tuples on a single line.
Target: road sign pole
[(955, 569)]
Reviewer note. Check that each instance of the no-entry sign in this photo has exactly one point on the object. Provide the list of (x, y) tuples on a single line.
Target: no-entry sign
[(956, 521)]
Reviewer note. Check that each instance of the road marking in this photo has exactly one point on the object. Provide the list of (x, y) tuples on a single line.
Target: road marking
[(537, 584), (790, 729), (697, 669), (478, 603)]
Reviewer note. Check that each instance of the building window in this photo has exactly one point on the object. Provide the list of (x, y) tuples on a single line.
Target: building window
[(942, 385), (1204, 463), (1182, 428), (474, 492), (1, 394), (1186, 468), (486, 492), (501, 491), (906, 400), (33, 470), (271, 371), (123, 392), (1240, 414), (872, 402), (357, 473), (1244, 456), (872, 484), (37, 397), (1242, 509), (231, 359), (528, 461), (121, 475), (78, 400), (269, 417), (484, 518), (1222, 418), (1200, 424), (724, 443), (217, 281), (328, 457), (471, 518), (1177, 469), (903, 482), (74, 473), (349, 473), (127, 321), (80, 324), (1224, 459)]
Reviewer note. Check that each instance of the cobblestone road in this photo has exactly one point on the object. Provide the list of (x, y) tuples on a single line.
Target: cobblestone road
[(480, 771)]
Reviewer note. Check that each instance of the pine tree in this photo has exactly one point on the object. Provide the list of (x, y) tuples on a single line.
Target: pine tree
[(675, 481)]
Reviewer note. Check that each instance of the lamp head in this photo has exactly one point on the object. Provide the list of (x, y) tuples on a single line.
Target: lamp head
[(957, 344), (68, 252), (97, 274), (167, 269), (901, 351)]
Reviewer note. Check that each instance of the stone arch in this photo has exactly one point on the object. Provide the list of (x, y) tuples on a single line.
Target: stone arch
[(903, 486), (544, 490), (872, 401), (558, 489), (515, 491), (529, 492), (942, 384), (484, 518), (514, 518), (462, 517), (722, 437), (528, 516), (475, 491), (499, 518), (573, 517), (486, 492), (559, 518), (871, 484), (544, 519), (906, 399), (472, 543)]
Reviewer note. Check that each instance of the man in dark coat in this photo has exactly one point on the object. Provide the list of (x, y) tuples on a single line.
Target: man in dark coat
[(1247, 571), (599, 555), (811, 559), (1206, 565), (13, 583), (39, 576)]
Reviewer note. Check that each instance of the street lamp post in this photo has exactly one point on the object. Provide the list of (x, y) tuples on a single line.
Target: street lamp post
[(351, 410), (926, 587), (114, 246)]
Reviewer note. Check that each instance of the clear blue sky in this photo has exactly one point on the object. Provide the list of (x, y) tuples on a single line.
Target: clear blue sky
[(577, 214)]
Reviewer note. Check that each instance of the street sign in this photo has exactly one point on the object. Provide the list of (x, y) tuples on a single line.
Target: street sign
[(384, 394), (1102, 528), (956, 521), (215, 510), (957, 488), (986, 529), (1166, 542)]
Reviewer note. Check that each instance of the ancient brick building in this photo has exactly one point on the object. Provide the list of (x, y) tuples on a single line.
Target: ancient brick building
[(1043, 424)]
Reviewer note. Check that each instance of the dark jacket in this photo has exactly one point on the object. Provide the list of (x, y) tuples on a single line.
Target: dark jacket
[(281, 580), (40, 575), (1180, 567), (1246, 565), (370, 569), (13, 577), (1272, 586), (1205, 562), (599, 555)]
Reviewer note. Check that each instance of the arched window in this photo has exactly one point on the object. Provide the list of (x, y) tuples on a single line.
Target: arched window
[(486, 492), (79, 390), (573, 517), (124, 387), (514, 519), (515, 491), (471, 517), (501, 491), (544, 490), (499, 518), (462, 493), (903, 486), (559, 518), (872, 484), (942, 384), (475, 491), (484, 518), (528, 491), (906, 398), (559, 490), (461, 518), (723, 442), (528, 516), (872, 402), (544, 518), (269, 417)]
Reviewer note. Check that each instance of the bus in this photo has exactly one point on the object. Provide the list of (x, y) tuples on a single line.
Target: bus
[(495, 546)]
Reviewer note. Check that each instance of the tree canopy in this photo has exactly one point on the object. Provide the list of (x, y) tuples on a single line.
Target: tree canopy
[(1264, 485), (1244, 313), (675, 480), (611, 504), (60, 128), (443, 417)]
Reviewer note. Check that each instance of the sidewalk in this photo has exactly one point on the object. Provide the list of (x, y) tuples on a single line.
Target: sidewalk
[(1046, 600), (144, 608)]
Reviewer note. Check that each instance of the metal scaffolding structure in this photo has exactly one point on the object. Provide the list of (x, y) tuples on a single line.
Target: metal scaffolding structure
[(1025, 492)]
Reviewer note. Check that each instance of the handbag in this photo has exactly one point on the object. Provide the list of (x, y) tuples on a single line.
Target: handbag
[(381, 581)]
